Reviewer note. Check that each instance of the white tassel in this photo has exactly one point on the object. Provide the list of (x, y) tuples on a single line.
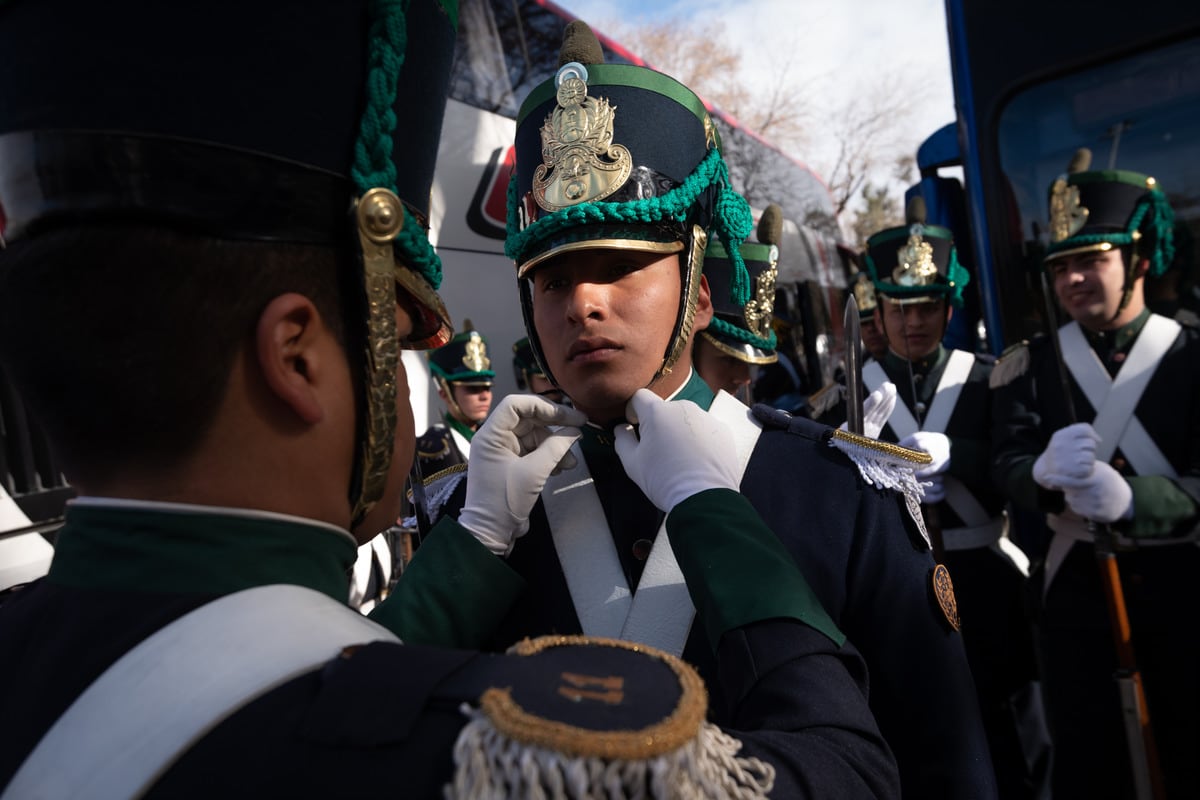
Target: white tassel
[(490, 766)]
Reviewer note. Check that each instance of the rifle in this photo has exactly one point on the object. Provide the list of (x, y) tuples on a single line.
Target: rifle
[(1139, 735)]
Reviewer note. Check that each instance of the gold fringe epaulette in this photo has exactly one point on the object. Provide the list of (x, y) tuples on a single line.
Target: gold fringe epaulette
[(824, 399), (1013, 363)]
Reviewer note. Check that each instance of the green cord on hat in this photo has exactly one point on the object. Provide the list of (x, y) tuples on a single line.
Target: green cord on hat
[(1154, 203), (373, 164), (732, 221)]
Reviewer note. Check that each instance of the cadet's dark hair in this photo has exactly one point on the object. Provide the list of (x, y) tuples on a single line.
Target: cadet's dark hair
[(121, 337)]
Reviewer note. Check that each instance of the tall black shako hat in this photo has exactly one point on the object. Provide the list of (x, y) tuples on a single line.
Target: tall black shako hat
[(864, 296), (618, 156), (916, 263), (525, 363), (464, 359), (745, 330), (1094, 210), (313, 123)]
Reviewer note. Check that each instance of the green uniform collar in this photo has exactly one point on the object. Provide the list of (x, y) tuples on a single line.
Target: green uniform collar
[(921, 366), (127, 545), (1119, 340), (456, 425)]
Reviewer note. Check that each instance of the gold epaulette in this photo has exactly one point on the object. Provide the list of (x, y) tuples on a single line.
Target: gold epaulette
[(824, 399), (1013, 363)]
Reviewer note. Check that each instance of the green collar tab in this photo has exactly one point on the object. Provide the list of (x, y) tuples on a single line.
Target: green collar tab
[(160, 547)]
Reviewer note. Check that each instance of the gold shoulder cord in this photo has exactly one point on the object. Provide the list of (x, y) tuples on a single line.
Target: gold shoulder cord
[(380, 217)]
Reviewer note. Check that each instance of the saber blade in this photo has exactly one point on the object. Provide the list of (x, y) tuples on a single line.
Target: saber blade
[(854, 380)]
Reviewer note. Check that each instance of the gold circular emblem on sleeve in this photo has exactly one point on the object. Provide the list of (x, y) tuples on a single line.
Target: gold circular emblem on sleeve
[(943, 590)]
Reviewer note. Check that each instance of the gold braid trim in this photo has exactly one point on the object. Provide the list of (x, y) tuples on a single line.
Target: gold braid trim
[(631, 745), (887, 448)]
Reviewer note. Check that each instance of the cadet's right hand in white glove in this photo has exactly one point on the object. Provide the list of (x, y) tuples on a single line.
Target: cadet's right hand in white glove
[(679, 449), (877, 408), (512, 455), (1068, 458)]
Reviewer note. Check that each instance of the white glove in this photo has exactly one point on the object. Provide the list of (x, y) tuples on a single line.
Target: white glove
[(1069, 456), (512, 455), (1104, 496), (877, 408), (682, 450), (933, 489), (938, 447)]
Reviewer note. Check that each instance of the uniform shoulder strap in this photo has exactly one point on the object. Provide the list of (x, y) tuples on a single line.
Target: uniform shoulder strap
[(164, 695)]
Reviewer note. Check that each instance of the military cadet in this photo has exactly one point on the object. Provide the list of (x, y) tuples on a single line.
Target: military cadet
[(529, 373), (944, 408), (463, 374), (873, 339), (1119, 454), (203, 294), (618, 180), (740, 337)]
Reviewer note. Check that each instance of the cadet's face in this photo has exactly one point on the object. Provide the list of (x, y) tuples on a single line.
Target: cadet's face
[(1089, 287), (473, 401), (720, 370), (914, 330), (385, 512), (604, 318)]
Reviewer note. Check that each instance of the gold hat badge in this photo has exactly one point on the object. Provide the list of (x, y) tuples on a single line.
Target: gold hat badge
[(761, 308), (915, 261), (580, 161), (475, 357), (1067, 215)]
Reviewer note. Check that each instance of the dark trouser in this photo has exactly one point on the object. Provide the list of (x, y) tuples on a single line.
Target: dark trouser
[(996, 632), (1091, 756)]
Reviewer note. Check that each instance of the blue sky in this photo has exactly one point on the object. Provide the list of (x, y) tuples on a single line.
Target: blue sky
[(835, 49)]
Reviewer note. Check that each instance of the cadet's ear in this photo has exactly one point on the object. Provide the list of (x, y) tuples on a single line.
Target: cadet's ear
[(704, 306), (286, 342), (1141, 267)]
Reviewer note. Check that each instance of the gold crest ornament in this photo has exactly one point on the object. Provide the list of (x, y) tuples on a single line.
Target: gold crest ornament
[(1067, 216), (580, 162), (915, 261), (943, 590), (475, 357), (759, 312), (864, 294)]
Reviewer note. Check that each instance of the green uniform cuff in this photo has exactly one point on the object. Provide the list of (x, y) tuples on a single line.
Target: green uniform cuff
[(1160, 507), (737, 571), (453, 594)]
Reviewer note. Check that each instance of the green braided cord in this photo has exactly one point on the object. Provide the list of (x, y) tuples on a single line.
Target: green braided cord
[(733, 223), (413, 242), (373, 164), (1154, 203), (673, 205), (738, 333)]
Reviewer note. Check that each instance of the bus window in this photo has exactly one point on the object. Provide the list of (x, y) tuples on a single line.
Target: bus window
[(1140, 113)]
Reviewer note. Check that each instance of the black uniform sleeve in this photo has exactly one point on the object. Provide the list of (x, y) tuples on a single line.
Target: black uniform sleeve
[(799, 702)]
